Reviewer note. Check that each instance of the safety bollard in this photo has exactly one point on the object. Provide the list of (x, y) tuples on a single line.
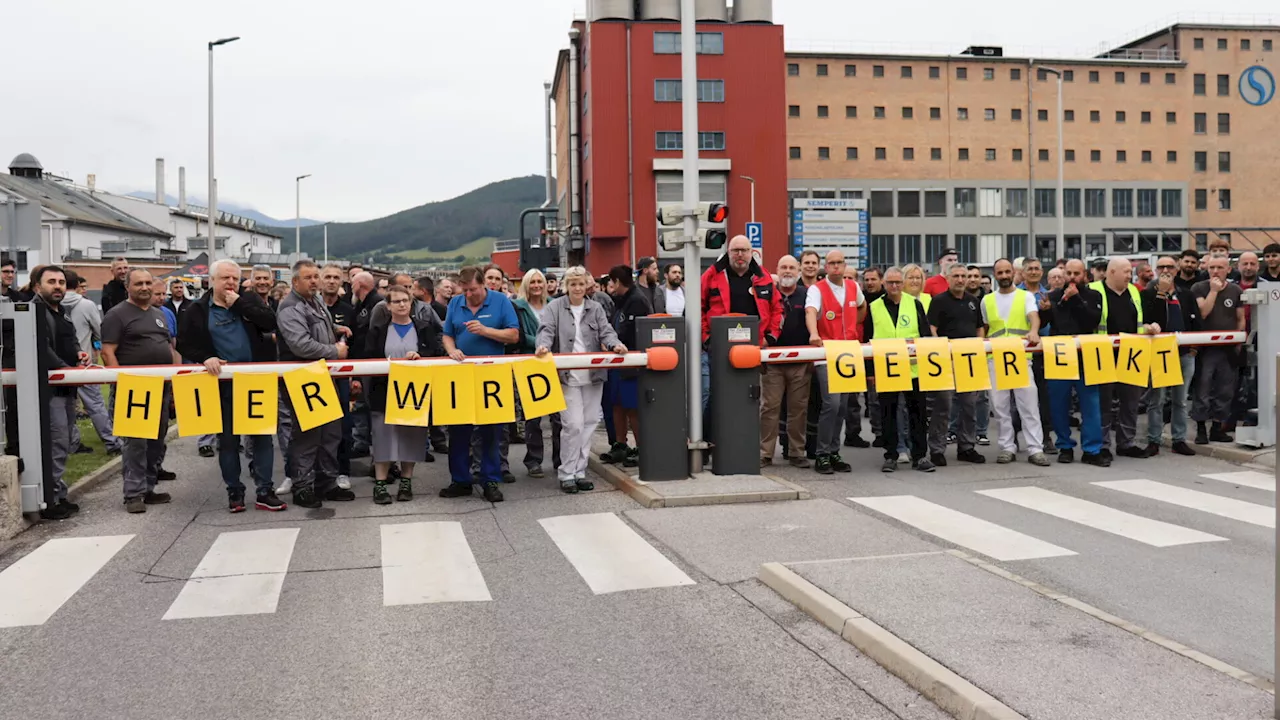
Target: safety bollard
[(664, 420), (735, 394)]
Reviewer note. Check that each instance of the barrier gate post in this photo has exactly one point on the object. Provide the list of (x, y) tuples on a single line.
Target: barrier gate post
[(30, 333), (735, 398), (664, 422), (1265, 302)]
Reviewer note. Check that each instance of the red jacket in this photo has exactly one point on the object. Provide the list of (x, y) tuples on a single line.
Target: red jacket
[(715, 299)]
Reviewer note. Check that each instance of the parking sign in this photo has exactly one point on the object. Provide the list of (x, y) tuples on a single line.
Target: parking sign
[(755, 233)]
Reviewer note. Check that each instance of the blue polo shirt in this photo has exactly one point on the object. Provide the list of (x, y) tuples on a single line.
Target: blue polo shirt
[(497, 313)]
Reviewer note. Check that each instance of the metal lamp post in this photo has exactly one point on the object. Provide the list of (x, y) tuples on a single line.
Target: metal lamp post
[(297, 216), (753, 195), (692, 251), (213, 191), (1062, 159)]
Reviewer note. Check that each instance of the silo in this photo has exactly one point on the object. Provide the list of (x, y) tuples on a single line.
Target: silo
[(659, 9), (711, 11), (612, 10), (753, 11)]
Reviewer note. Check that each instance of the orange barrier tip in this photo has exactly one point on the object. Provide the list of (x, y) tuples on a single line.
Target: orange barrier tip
[(662, 359), (744, 357)]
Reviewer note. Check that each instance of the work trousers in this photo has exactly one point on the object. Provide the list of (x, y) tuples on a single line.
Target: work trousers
[(962, 405), (1120, 417), (534, 445), (578, 423), (914, 402), (260, 451), (460, 454), (834, 407), (62, 418), (1177, 396), (315, 456), (1027, 400), (91, 397), (504, 448), (792, 382), (853, 421), (141, 458), (1216, 388), (981, 414), (1090, 415)]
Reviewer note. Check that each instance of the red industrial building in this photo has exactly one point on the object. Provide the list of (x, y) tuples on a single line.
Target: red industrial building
[(620, 81)]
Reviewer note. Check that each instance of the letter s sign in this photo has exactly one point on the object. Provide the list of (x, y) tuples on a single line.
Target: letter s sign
[(1257, 85)]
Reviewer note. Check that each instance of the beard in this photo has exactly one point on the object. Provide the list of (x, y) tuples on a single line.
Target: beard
[(787, 282)]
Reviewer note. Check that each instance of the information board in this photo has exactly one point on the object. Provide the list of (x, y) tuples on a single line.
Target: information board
[(824, 225)]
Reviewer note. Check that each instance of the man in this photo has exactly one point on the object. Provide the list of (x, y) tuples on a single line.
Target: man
[(425, 291), (1271, 256), (1032, 274), (1013, 312), (955, 314), (1099, 269), (553, 286), (227, 327), (444, 293), (87, 319), (1189, 270), (495, 280), (1057, 278), (786, 379), (978, 285), (263, 280), (985, 281), (1145, 275), (178, 302), (1076, 309), (114, 292), (973, 279), (306, 332), (893, 316), (134, 332), (343, 314), (353, 270), (648, 285), (1121, 313), (49, 282), (365, 298), (8, 280), (1176, 311), (853, 413), (872, 290), (833, 310), (941, 283), (631, 303), (383, 284), (673, 290), (479, 322), (1222, 311), (422, 309), (1221, 247)]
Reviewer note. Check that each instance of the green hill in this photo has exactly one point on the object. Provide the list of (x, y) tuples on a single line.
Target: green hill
[(437, 230)]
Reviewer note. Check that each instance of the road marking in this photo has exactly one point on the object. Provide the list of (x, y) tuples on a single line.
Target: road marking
[(242, 574), (1196, 500), (1247, 478), (964, 530), (33, 588), (609, 555), (1100, 517), (429, 562)]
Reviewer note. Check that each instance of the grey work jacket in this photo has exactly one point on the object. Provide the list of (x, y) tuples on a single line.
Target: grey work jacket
[(304, 329), (558, 330)]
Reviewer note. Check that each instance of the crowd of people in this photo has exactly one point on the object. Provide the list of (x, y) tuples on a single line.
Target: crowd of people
[(336, 313)]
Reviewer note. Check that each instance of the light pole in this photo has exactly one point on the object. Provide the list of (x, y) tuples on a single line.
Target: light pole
[(1062, 159), (692, 250), (213, 191), (753, 195), (297, 216), (326, 243)]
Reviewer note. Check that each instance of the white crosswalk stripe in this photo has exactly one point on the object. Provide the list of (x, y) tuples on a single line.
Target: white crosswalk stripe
[(429, 562), (1247, 478), (1100, 517), (242, 574), (1196, 500), (609, 555), (35, 587), (964, 530)]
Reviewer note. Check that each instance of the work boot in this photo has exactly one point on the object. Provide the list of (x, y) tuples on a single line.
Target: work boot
[(1066, 457), (155, 498), (337, 494), (1218, 434), (135, 505), (856, 441), (970, 456), (163, 475), (1005, 458), (306, 498), (405, 494), (1132, 452), (453, 490), (60, 512), (492, 492), (823, 465), (1097, 460), (632, 459), (1202, 435), (584, 484), (800, 462), (938, 459), (568, 487), (1039, 460), (615, 454), (1181, 448), (838, 464)]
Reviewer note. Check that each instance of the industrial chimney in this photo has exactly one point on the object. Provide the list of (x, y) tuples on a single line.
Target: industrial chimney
[(160, 181)]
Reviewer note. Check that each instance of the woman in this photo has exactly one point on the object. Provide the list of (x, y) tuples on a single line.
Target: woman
[(531, 304), (397, 337), (573, 323), (913, 284)]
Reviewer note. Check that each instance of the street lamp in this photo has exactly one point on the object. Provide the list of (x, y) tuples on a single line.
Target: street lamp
[(326, 243), (297, 217), (213, 191), (1061, 209), (753, 195)]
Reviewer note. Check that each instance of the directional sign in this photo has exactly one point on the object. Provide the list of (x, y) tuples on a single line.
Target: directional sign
[(828, 224), (755, 233)]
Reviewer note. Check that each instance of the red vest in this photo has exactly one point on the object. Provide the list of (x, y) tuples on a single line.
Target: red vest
[(836, 322)]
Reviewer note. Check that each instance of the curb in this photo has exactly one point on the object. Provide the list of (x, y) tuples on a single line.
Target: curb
[(108, 470), (1231, 454), (947, 690), (644, 494), (624, 482)]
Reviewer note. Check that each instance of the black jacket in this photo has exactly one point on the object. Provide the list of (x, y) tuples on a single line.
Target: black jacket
[(794, 331), (113, 293), (1155, 309), (430, 344), (196, 344), (186, 305), (629, 306), (361, 320), (64, 346), (1079, 315)]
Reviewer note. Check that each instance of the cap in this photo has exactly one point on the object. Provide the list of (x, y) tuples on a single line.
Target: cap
[(644, 262), (946, 252), (1099, 263)]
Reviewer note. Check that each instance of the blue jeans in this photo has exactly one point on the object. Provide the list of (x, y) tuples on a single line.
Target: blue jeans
[(1178, 396), (1090, 415), (262, 456), (460, 453)]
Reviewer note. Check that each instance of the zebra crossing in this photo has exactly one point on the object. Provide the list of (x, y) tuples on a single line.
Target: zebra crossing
[(995, 541), (244, 572)]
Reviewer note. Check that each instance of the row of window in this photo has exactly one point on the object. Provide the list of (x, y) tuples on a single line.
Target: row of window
[(1200, 157), (673, 90), (674, 140), (668, 43), (1198, 82), (879, 112), (1245, 44), (1013, 202), (888, 250), (907, 72)]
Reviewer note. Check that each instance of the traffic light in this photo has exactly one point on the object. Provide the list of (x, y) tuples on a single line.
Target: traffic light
[(710, 238), (707, 212)]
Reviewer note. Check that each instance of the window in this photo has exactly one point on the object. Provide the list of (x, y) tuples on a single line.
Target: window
[(1201, 123), (908, 113), (1042, 115), (878, 112), (1148, 243), (1224, 123), (962, 113), (1144, 78), (710, 140), (850, 194), (1224, 85), (708, 91), (822, 70), (967, 246), (908, 203), (1170, 78), (1224, 162), (1015, 202), (1095, 156), (935, 153), (1197, 82), (1222, 43), (669, 91), (1202, 199), (966, 202), (881, 154), (851, 71), (1147, 203), (1095, 245), (1197, 43), (935, 72), (675, 141), (1122, 203), (962, 73), (881, 250), (1171, 156), (1069, 155), (881, 203), (824, 153), (1044, 155), (851, 111), (1224, 199), (1171, 118), (1095, 203), (1123, 243), (1266, 46), (906, 72), (908, 154), (1120, 116), (1072, 249), (1042, 75), (1046, 202), (1145, 117), (793, 152), (793, 111), (1095, 116), (935, 113), (1122, 156), (1093, 76), (989, 114), (1015, 74), (1171, 203), (823, 111), (851, 153), (1015, 114), (1146, 156), (1015, 246), (1119, 77), (1068, 116), (877, 71), (1068, 76), (909, 249), (1171, 242), (934, 245), (1201, 161), (1202, 242), (1017, 154), (963, 154), (935, 203), (1047, 248), (1071, 202), (793, 70), (991, 154), (709, 43)]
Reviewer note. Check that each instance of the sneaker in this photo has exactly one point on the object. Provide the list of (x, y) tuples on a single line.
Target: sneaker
[(285, 486), (135, 505), (890, 465), (74, 508), (823, 466), (155, 498), (568, 487), (584, 484), (923, 465), (1132, 452), (800, 462), (235, 501), (1066, 457), (838, 464), (1181, 448), (84, 450), (1152, 449), (938, 459), (405, 493), (508, 477), (1039, 460), (537, 472), (1050, 449), (206, 451), (983, 441), (163, 475), (615, 454), (456, 490), (904, 458), (114, 452), (951, 438), (344, 482), (270, 503), (1106, 453), (306, 498), (62, 512), (492, 493), (632, 459), (337, 494), (1098, 460), (969, 456), (1005, 458), (380, 494), (856, 441)]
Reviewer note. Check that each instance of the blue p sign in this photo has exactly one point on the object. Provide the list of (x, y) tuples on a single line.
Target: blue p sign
[(755, 233)]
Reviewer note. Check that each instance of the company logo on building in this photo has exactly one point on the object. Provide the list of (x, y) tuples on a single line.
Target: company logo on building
[(1257, 85)]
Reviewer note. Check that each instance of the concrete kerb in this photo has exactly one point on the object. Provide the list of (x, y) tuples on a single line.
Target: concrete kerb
[(946, 689), (650, 496), (1231, 453)]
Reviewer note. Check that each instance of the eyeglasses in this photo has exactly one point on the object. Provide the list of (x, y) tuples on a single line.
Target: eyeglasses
[(1166, 267), (401, 301), (740, 250), (892, 282)]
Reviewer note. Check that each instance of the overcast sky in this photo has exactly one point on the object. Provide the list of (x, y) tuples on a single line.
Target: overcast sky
[(390, 104)]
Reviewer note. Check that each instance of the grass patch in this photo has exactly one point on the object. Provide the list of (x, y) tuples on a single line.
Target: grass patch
[(479, 248)]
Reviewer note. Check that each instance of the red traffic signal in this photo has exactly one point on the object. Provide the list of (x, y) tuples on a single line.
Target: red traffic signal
[(717, 213)]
